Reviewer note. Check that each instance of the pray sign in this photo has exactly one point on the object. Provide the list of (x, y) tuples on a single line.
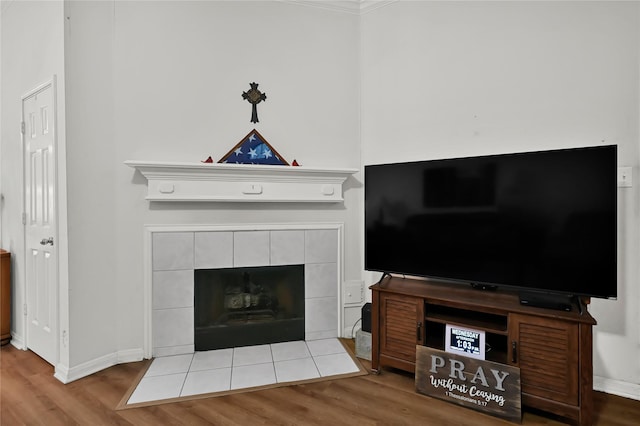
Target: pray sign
[(482, 385)]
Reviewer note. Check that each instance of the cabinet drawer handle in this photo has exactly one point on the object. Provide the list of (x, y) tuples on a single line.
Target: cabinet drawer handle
[(514, 351), (419, 331)]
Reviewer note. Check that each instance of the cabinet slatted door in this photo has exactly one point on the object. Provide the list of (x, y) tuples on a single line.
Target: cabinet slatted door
[(401, 326), (546, 350)]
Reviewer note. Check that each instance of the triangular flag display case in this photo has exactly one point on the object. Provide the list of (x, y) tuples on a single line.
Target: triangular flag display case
[(253, 149)]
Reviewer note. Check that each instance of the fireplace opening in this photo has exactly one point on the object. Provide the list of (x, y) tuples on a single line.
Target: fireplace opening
[(248, 306)]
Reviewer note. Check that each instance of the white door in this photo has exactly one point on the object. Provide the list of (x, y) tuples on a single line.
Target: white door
[(38, 115)]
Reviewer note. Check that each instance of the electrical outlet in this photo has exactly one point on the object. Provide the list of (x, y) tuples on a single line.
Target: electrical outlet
[(625, 177)]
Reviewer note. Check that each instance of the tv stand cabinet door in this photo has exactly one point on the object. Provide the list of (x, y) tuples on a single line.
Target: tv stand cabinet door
[(547, 352), (401, 329)]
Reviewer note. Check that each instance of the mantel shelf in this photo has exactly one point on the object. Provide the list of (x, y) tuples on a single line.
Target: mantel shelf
[(172, 181)]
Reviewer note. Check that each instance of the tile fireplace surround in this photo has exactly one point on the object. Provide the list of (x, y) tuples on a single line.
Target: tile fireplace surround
[(174, 252)]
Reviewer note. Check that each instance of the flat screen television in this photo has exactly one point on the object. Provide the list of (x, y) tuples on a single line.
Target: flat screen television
[(543, 222)]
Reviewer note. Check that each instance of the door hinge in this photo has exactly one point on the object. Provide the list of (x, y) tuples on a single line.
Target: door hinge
[(24, 309), (24, 218), (22, 127)]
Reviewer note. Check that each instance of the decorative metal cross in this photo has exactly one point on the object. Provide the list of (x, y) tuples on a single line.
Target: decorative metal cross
[(254, 96)]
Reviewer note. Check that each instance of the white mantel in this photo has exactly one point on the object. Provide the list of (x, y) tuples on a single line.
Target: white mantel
[(173, 181)]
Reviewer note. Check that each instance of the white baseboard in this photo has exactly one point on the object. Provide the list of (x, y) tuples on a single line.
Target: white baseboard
[(350, 332), (18, 342), (617, 387), (68, 375), (130, 355)]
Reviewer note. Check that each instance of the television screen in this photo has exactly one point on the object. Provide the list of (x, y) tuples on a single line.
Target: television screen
[(543, 221)]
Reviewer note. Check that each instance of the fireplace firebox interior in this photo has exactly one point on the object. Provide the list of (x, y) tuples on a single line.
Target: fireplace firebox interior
[(248, 306)]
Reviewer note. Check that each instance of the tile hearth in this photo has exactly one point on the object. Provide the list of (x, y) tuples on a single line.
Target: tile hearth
[(239, 368)]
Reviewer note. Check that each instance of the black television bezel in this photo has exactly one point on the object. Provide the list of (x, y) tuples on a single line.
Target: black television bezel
[(540, 296)]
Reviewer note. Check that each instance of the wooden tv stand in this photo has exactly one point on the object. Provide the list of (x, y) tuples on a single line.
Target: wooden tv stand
[(553, 349)]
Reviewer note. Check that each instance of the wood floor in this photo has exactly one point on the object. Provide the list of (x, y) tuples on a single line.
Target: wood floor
[(30, 395)]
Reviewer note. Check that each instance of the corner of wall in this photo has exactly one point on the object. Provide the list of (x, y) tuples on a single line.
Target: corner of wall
[(67, 375)]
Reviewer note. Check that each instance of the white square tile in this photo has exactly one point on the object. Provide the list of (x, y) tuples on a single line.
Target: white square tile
[(251, 248), (330, 365), (173, 327), (172, 289), (287, 247), (321, 246), (289, 350), (321, 314), (320, 280), (158, 387), (325, 347), (296, 369), (208, 360), (172, 251), (248, 355), (213, 250), (207, 381), (248, 376), (169, 365)]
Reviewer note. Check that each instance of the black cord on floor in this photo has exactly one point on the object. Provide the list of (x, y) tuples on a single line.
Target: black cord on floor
[(353, 328)]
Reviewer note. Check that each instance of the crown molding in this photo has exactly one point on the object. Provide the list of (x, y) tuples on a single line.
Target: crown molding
[(367, 6), (355, 7), (4, 5)]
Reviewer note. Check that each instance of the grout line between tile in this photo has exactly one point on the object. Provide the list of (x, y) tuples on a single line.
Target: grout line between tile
[(273, 368), (313, 357), (188, 370), (233, 356)]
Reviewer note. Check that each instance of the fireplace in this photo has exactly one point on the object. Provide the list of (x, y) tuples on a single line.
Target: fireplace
[(176, 253), (248, 306)]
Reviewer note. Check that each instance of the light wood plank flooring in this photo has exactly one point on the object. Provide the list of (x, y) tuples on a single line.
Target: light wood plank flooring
[(30, 395)]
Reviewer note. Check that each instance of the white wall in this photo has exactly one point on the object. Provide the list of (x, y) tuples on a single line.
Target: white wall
[(164, 81), (449, 79), (91, 174)]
